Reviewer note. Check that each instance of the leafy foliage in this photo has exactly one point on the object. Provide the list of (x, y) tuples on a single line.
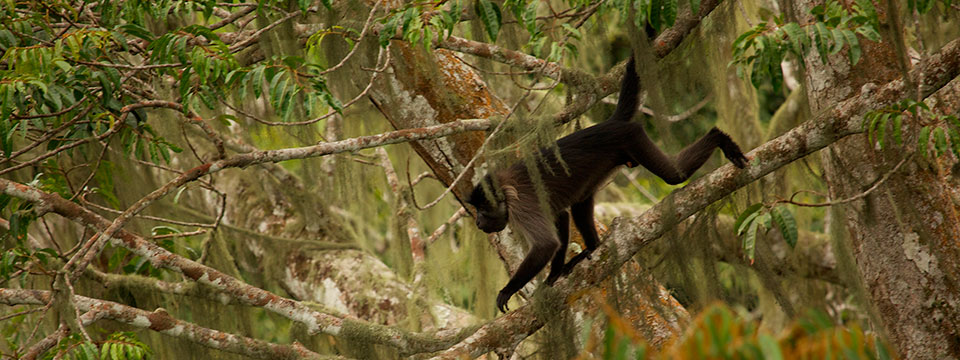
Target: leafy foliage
[(117, 346), (924, 6), (935, 129), (758, 217), (760, 50), (19, 258), (719, 334), (414, 29)]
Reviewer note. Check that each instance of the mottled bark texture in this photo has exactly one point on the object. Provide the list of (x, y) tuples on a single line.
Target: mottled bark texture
[(904, 234)]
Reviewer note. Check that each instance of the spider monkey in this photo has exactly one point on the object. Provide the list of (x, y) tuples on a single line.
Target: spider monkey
[(587, 158)]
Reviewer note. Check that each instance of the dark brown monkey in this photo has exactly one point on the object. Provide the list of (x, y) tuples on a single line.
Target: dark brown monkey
[(589, 157)]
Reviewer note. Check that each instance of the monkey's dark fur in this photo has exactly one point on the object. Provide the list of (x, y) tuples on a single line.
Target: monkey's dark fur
[(589, 157)]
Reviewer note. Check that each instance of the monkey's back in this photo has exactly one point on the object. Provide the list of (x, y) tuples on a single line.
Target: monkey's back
[(587, 159)]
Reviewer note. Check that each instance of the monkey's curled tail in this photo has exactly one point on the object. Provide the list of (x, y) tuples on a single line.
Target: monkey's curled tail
[(629, 89)]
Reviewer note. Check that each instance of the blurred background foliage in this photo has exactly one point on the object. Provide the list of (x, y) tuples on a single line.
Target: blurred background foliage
[(758, 274)]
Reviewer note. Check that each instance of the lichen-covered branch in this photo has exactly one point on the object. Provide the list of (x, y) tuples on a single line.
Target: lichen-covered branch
[(160, 321), (76, 265), (315, 322), (668, 40), (628, 236)]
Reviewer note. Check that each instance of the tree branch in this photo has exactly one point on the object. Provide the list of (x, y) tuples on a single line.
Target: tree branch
[(315, 322), (628, 236), (163, 323)]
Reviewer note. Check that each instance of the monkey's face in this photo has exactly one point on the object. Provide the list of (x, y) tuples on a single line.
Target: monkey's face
[(492, 214), (491, 222)]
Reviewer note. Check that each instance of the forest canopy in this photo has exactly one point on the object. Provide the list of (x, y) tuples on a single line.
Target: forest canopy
[(289, 179)]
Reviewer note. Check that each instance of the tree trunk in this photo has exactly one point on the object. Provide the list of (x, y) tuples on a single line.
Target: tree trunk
[(903, 234)]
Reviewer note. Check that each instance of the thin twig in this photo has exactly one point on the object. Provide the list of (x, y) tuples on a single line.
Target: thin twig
[(632, 178), (76, 310), (849, 199), (424, 175), (53, 114), (50, 134), (191, 233), (363, 33), (116, 127), (233, 17), (147, 217), (93, 173), (21, 313), (443, 228), (256, 35), (128, 67)]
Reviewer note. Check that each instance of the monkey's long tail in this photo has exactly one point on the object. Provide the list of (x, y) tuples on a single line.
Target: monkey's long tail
[(629, 89)]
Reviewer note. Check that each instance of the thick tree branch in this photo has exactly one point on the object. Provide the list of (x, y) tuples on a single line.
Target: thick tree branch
[(163, 323), (628, 236)]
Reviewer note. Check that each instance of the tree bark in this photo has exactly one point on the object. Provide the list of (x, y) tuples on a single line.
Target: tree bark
[(904, 234)]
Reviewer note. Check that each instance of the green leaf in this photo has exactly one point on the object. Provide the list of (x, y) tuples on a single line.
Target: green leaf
[(822, 35), (530, 17), (137, 30), (869, 32), (871, 120), (695, 6), (409, 16), (655, 14), (389, 30), (669, 12), (797, 37), (490, 16), (952, 121), (940, 141), (787, 225), (764, 219), (854, 46), (882, 128), (838, 38), (897, 124), (749, 213), (574, 32), (750, 241), (866, 9), (954, 141)]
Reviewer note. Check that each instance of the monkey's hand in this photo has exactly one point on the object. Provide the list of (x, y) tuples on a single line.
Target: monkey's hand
[(502, 299)]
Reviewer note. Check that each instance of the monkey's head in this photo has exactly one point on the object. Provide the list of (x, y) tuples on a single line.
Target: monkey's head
[(491, 205)]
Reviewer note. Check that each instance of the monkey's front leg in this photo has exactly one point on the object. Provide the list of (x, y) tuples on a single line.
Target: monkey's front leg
[(543, 246)]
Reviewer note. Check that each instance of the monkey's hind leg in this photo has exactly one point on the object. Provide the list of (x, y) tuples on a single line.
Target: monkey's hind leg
[(691, 158), (694, 155), (582, 213), (557, 267)]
